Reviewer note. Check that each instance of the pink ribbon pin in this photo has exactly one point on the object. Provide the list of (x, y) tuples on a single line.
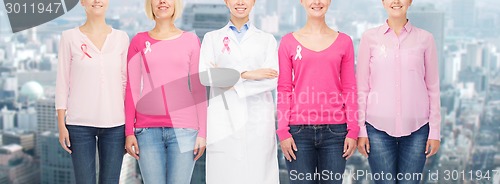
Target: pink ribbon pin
[(148, 47), (84, 50), (226, 45)]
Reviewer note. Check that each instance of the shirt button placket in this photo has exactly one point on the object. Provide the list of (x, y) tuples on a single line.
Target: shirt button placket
[(398, 88)]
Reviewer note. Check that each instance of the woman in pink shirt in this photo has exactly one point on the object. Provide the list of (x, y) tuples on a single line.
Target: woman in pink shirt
[(90, 89), (317, 125), (398, 86), (165, 102)]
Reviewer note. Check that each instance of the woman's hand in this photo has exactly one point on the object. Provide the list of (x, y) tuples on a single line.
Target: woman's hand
[(64, 139), (432, 147), (349, 147), (199, 147), (288, 147), (63, 131), (132, 146), (364, 146)]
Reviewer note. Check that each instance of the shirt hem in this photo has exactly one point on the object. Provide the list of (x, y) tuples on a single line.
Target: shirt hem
[(96, 126)]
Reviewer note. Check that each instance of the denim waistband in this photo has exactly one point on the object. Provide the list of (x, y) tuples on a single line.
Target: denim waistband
[(321, 126)]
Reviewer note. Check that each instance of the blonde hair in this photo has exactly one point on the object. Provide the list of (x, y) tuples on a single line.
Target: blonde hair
[(178, 7)]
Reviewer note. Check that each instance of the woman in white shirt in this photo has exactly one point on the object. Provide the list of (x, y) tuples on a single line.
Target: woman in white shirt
[(240, 128)]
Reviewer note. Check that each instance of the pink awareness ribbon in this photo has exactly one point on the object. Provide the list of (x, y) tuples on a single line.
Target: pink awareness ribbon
[(226, 45), (84, 50)]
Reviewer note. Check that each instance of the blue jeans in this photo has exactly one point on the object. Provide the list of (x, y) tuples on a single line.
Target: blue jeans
[(111, 148), (166, 154), (319, 155), (401, 159)]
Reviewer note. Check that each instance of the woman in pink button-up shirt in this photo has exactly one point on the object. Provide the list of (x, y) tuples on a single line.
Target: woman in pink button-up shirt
[(90, 89), (398, 87)]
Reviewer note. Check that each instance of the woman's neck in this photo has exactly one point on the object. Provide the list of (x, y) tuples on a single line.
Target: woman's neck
[(315, 26), (397, 24), (239, 22), (164, 26), (95, 24)]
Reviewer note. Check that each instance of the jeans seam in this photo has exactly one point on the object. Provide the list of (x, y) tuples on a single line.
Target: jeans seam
[(317, 141)]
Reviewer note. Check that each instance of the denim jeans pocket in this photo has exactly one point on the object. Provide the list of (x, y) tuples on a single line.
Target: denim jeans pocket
[(139, 131), (296, 129), (185, 132), (338, 131), (188, 130)]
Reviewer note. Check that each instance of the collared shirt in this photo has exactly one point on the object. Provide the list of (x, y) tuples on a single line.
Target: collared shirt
[(239, 33), (398, 81), (90, 82)]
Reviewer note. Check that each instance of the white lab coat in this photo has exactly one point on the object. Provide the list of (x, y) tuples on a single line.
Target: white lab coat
[(241, 141)]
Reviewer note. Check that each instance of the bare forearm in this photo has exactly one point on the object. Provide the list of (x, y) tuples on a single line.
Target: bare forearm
[(61, 115)]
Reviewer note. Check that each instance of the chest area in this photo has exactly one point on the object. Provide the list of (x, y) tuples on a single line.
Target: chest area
[(391, 54), (164, 56), (84, 54), (250, 52)]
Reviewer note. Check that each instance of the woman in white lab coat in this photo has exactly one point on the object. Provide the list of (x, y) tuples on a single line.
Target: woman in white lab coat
[(241, 141)]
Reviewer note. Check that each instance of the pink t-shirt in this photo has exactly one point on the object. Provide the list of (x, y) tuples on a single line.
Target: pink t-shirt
[(316, 88), (163, 87)]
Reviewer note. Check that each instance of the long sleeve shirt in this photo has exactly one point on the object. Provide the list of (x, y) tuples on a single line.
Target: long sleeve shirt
[(163, 87), (398, 81), (90, 83), (316, 87)]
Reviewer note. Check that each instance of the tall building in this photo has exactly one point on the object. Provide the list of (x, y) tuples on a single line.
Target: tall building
[(475, 76), (427, 17), (472, 57), (55, 162), (47, 119), (7, 118), (9, 88), (202, 18), (46, 115), (27, 119), (289, 13), (451, 68), (259, 11), (463, 13), (18, 167)]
